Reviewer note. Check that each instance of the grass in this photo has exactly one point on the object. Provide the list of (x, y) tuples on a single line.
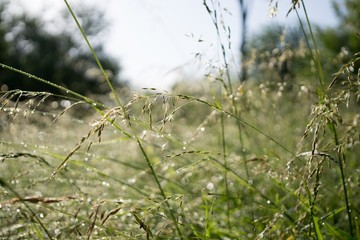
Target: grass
[(227, 160)]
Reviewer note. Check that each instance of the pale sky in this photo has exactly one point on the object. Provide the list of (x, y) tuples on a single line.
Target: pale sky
[(156, 40)]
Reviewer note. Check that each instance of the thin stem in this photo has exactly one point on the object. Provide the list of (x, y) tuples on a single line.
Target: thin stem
[(320, 73), (227, 192), (229, 88), (128, 122), (88, 100), (342, 159), (318, 61), (94, 54), (163, 194), (316, 57)]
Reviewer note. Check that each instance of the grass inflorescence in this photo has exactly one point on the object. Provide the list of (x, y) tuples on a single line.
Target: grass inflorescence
[(226, 160)]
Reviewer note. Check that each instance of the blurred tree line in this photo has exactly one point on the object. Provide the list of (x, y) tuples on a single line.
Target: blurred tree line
[(54, 52), (59, 55)]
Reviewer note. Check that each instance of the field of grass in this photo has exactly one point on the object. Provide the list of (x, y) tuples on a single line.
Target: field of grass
[(219, 160)]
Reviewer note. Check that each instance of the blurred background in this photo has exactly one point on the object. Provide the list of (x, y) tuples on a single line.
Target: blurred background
[(143, 44), (247, 142)]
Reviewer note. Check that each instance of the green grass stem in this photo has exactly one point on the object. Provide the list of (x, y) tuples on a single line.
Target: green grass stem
[(94, 54)]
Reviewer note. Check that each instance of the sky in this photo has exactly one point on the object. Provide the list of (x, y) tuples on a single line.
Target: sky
[(156, 41)]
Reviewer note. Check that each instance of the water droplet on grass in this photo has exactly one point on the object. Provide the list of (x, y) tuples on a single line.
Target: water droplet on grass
[(131, 180), (163, 147), (106, 184), (210, 186), (65, 103)]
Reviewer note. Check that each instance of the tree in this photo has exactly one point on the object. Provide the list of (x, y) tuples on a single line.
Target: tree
[(243, 51), (341, 42), (26, 43)]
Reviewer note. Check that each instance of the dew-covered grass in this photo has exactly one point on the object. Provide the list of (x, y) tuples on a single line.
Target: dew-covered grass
[(254, 160)]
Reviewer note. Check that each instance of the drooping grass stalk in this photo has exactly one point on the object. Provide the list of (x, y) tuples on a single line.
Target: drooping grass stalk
[(134, 134), (95, 105), (91, 102), (240, 120), (323, 94)]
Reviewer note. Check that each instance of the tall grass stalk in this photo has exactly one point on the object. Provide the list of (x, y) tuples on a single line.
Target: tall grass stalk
[(94, 54), (324, 99), (134, 134), (224, 153), (223, 162), (316, 57), (228, 87)]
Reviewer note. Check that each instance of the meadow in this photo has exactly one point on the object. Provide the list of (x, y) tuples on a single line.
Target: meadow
[(213, 159)]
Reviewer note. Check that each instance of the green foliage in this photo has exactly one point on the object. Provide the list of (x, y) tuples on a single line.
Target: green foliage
[(256, 160), (341, 42), (27, 43)]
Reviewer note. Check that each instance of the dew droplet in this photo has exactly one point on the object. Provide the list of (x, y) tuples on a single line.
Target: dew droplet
[(163, 147), (106, 184), (131, 180), (210, 186)]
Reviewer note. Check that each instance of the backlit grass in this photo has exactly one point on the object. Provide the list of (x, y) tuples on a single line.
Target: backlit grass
[(225, 160)]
